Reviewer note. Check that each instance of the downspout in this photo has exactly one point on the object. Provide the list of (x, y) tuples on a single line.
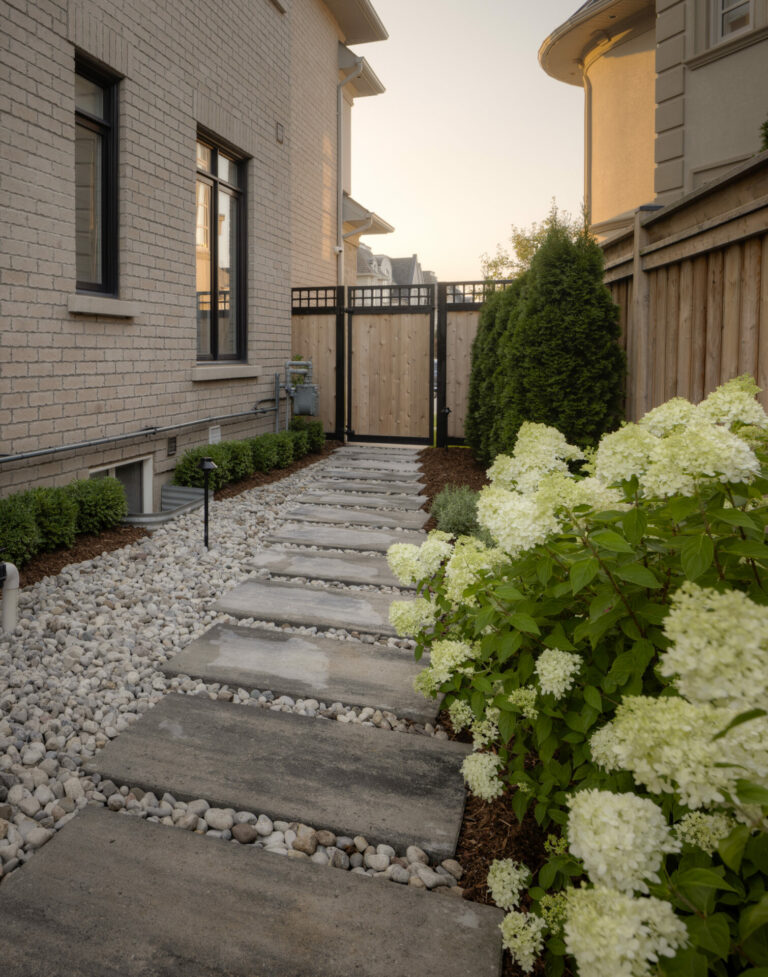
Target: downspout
[(9, 584), (354, 73), (362, 229), (587, 141)]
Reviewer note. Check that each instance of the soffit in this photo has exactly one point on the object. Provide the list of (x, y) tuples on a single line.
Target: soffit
[(597, 20), (367, 82), (358, 21), (356, 215)]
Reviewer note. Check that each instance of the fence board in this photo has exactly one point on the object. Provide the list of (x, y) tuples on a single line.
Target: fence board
[(313, 337), (714, 320), (729, 365), (671, 325), (762, 342), (750, 307), (699, 329), (460, 333), (685, 329)]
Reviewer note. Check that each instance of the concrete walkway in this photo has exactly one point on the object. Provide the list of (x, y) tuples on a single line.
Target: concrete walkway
[(159, 900)]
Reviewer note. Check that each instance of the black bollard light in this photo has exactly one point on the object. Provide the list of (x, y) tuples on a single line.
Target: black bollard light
[(207, 465)]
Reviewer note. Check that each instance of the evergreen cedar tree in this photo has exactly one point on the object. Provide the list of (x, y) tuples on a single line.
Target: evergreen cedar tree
[(547, 351)]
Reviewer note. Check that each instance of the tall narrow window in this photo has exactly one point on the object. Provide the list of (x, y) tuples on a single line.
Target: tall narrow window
[(220, 254), (95, 180), (731, 17)]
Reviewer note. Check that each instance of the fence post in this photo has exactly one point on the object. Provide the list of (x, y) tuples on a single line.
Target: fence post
[(341, 358), (441, 349)]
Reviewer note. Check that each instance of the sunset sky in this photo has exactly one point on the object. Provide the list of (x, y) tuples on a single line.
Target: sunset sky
[(471, 135)]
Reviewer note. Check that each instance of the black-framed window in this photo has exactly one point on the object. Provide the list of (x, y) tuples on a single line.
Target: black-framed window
[(95, 180), (220, 249)]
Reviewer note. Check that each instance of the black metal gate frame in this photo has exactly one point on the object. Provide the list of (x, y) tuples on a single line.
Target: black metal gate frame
[(436, 299)]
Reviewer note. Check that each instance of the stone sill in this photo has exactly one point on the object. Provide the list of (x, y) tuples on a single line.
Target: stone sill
[(229, 371), (103, 306)]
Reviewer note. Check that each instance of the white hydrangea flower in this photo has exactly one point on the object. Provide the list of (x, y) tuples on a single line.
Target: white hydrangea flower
[(446, 657), (480, 771), (557, 670), (668, 418), (621, 838), (558, 492), (623, 453), (539, 449), (719, 650), (434, 552), (611, 934), (521, 934), (408, 617), (486, 730), (525, 700), (734, 403), (470, 558), (553, 908), (703, 451), (668, 745), (460, 715), (704, 831), (404, 562), (507, 881), (516, 522)]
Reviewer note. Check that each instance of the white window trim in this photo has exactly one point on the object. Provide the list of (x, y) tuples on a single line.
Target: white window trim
[(146, 476), (717, 37)]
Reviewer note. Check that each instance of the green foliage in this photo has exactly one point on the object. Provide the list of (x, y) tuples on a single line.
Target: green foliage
[(455, 511), (314, 430), (188, 471), (100, 503), (300, 444), (239, 459), (764, 136), (263, 454), (19, 535), (547, 349), (283, 444), (55, 512), (525, 244)]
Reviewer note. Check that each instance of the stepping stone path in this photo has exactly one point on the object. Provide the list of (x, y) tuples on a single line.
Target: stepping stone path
[(305, 666), (163, 900)]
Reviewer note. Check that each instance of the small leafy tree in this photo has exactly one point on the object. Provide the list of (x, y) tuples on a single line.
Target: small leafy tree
[(525, 243)]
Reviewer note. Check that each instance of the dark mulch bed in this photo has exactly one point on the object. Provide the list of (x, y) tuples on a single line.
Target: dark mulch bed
[(449, 466)]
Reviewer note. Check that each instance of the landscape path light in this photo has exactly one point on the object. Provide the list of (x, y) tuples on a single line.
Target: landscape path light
[(207, 465)]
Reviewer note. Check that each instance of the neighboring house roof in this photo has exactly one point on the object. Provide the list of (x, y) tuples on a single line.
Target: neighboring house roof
[(405, 270), (358, 20), (562, 52), (367, 83)]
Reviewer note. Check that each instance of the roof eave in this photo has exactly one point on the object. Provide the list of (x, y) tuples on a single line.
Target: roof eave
[(358, 21)]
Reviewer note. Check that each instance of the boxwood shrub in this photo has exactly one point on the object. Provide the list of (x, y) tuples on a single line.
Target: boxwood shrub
[(263, 454), (55, 512), (283, 445), (19, 535), (239, 459), (100, 503), (314, 429), (300, 444), (188, 471)]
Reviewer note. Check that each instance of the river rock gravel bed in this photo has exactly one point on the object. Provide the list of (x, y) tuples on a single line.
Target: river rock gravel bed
[(83, 665)]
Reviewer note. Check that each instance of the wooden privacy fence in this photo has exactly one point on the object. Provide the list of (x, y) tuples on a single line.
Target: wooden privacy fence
[(392, 362), (691, 282)]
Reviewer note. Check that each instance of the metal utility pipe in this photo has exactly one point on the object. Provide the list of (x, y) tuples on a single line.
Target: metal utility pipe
[(9, 584), (354, 73)]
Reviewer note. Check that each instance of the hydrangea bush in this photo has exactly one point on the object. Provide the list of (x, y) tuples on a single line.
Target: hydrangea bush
[(608, 653)]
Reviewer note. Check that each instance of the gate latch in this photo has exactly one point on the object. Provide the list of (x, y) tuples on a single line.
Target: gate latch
[(446, 410)]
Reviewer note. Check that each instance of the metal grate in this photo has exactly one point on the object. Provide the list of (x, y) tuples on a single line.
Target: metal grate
[(391, 297), (472, 294), (321, 299)]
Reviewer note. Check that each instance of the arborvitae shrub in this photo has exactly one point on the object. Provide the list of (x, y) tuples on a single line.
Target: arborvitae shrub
[(239, 459), (480, 406), (300, 444), (100, 503), (55, 513), (565, 366), (188, 471), (455, 511), (314, 430), (284, 446), (19, 535), (263, 454)]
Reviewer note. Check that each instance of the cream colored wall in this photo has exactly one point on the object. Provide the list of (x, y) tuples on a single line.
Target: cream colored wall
[(620, 108), (314, 76), (733, 91)]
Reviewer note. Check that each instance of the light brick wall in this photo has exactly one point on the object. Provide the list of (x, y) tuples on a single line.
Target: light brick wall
[(65, 378)]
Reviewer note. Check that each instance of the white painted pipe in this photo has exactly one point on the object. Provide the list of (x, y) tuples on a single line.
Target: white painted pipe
[(10, 599)]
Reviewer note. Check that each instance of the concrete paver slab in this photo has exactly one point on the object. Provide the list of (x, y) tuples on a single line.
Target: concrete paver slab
[(371, 464), (339, 538), (114, 896), (373, 474), (305, 666), (352, 779), (349, 568), (306, 606), (396, 454), (334, 484), (339, 515), (361, 500)]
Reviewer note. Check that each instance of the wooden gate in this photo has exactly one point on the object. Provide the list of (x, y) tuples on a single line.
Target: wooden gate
[(392, 362)]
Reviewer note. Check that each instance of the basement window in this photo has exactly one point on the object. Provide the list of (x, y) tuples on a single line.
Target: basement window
[(136, 478)]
